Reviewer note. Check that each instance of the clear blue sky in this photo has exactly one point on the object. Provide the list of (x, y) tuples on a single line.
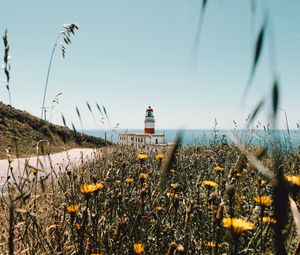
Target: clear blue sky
[(132, 53)]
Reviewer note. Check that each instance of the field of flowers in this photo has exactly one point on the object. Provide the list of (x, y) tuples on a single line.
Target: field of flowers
[(190, 200)]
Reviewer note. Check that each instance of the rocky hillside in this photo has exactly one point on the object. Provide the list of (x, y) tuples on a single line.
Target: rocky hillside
[(21, 132)]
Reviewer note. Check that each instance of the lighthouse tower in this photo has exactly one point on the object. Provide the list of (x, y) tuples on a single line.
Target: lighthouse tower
[(149, 121), (146, 139)]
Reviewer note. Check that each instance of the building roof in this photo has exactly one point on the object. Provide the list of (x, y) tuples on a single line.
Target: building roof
[(141, 134)]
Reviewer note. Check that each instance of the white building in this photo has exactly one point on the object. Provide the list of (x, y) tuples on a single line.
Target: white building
[(148, 137)]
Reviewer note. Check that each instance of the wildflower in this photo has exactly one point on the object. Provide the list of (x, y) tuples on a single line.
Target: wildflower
[(90, 188), (77, 226), (263, 200), (117, 182), (129, 180), (87, 188), (260, 182), (159, 156), (172, 195), (98, 186), (172, 170), (175, 186), (218, 168), (210, 184), (34, 171), (269, 220), (138, 248), (238, 174), (211, 244), (142, 156), (143, 176), (72, 208), (237, 225), (158, 208), (293, 179)]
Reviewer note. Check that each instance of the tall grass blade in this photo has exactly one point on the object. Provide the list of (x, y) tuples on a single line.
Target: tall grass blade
[(275, 98), (79, 116), (64, 120), (255, 112), (170, 161), (106, 115), (257, 53)]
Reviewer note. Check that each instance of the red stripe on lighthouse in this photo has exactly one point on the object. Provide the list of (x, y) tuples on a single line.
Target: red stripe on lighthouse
[(149, 130)]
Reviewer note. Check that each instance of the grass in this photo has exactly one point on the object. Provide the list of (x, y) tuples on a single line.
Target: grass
[(116, 204), (21, 131)]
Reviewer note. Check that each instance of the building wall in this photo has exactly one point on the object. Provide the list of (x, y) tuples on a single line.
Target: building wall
[(141, 139)]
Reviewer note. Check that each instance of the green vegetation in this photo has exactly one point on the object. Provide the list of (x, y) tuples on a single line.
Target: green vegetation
[(199, 200)]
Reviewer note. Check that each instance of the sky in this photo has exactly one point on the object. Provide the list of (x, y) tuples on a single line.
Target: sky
[(129, 54)]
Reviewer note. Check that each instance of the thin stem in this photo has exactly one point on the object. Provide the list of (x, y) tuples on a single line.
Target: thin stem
[(9, 95), (48, 72)]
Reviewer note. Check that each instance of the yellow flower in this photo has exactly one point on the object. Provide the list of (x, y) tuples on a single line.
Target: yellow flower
[(269, 220), (138, 248), (263, 200), (172, 170), (211, 244), (260, 182), (97, 254), (72, 208), (175, 186), (143, 176), (87, 188), (117, 181), (158, 208), (210, 184), (218, 168), (237, 225), (34, 171), (169, 194), (142, 156), (172, 195), (293, 179), (238, 174), (159, 156), (129, 180), (77, 226), (90, 188), (99, 186)]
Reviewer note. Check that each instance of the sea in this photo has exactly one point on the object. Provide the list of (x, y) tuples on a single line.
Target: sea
[(194, 137)]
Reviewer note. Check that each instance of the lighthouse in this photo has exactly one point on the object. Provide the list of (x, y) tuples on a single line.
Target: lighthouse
[(147, 139), (149, 121)]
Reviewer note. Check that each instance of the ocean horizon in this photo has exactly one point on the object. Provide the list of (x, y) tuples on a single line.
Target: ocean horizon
[(262, 137)]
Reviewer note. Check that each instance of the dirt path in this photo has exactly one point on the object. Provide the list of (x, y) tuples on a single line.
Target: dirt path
[(60, 161)]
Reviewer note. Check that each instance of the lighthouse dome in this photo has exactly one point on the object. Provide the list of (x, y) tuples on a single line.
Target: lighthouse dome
[(149, 112), (149, 109)]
